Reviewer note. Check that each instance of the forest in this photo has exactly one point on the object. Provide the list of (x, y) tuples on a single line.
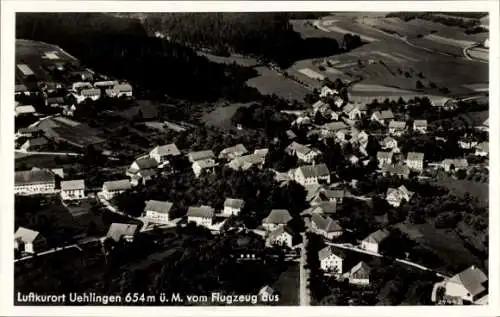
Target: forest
[(120, 47)]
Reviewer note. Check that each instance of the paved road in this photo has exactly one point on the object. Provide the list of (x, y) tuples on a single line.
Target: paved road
[(49, 153)]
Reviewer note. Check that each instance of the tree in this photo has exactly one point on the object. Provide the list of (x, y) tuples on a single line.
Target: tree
[(419, 85)]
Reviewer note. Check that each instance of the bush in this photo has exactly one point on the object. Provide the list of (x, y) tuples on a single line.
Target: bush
[(447, 220)]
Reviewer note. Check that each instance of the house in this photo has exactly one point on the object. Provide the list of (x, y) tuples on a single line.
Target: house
[(359, 274), (372, 242), (73, 189), (454, 164), (232, 206), (233, 151), (29, 241), (324, 208), (395, 196), (312, 174), (34, 144), (247, 161), (113, 188), (327, 195), (202, 215), (34, 181), (303, 152), (420, 126), (205, 165), (327, 91), (470, 285), (123, 89), (382, 117), (290, 135), (396, 169), (384, 158), (78, 86), (482, 149), (397, 127), (21, 89), (266, 292), (157, 211), (352, 111), (105, 84), (332, 128), (321, 107), (337, 101), (485, 126), (24, 110), (467, 143), (330, 262), (415, 161), (200, 155), (122, 231), (276, 218), (29, 132), (54, 102), (161, 153), (389, 143), (302, 121), (281, 236), (360, 137), (142, 170), (87, 93), (325, 226)]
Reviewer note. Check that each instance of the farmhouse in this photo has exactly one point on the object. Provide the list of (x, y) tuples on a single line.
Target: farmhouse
[(325, 226), (276, 218), (161, 153), (454, 164), (87, 93), (382, 117), (330, 262), (482, 149), (34, 181), (204, 165), (330, 129), (327, 195), (281, 236), (232, 207), (200, 155), (120, 90), (303, 152), (29, 241), (396, 169), (142, 170), (389, 143), (248, 161), (327, 91), (324, 208), (202, 216), (113, 188), (415, 161), (471, 285), (122, 231), (233, 151), (420, 126), (359, 274), (352, 111), (384, 158), (34, 144), (157, 211), (397, 127), (74, 189), (372, 242), (311, 174), (397, 195), (24, 110)]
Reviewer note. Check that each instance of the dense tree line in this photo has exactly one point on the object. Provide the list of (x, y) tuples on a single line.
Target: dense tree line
[(122, 48), (267, 35), (470, 22)]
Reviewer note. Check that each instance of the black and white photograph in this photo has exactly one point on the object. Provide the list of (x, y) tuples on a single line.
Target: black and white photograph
[(229, 158)]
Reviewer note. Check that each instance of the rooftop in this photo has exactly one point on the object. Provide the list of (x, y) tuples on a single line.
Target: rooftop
[(118, 230), (278, 216), (415, 156), (472, 278), (122, 184), (234, 203), (397, 124), (73, 184), (319, 170), (377, 236), (201, 212), (26, 235), (200, 155), (158, 206), (33, 177), (166, 150)]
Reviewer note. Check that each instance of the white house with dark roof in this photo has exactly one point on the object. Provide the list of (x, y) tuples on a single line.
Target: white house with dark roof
[(415, 161), (303, 152), (352, 111), (384, 158), (311, 174), (420, 126), (324, 208), (73, 189), (202, 215), (329, 261), (396, 169), (331, 129), (372, 242), (359, 274), (327, 91), (200, 155), (232, 206), (29, 241), (233, 151), (157, 211), (382, 117), (397, 127), (34, 181), (281, 236), (276, 218), (325, 226), (163, 152), (122, 231), (245, 162), (395, 196), (87, 93), (24, 110), (389, 143), (142, 170), (454, 164), (471, 285), (113, 188), (204, 165)]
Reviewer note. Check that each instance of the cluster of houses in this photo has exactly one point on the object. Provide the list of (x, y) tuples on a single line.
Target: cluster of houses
[(110, 88)]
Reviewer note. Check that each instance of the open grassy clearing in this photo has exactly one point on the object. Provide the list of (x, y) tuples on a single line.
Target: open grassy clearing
[(450, 41), (311, 74), (478, 87), (269, 82), (221, 116), (241, 60), (307, 30), (479, 53)]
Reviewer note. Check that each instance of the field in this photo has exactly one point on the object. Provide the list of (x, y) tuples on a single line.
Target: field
[(307, 30), (288, 286), (245, 61), (479, 53), (270, 82), (221, 116)]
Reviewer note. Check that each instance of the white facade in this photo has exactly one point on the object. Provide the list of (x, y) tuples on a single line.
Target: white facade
[(284, 239), (73, 194), (458, 290), (157, 217), (29, 189), (230, 211), (307, 157), (110, 194), (369, 246), (415, 164), (201, 221), (332, 263)]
